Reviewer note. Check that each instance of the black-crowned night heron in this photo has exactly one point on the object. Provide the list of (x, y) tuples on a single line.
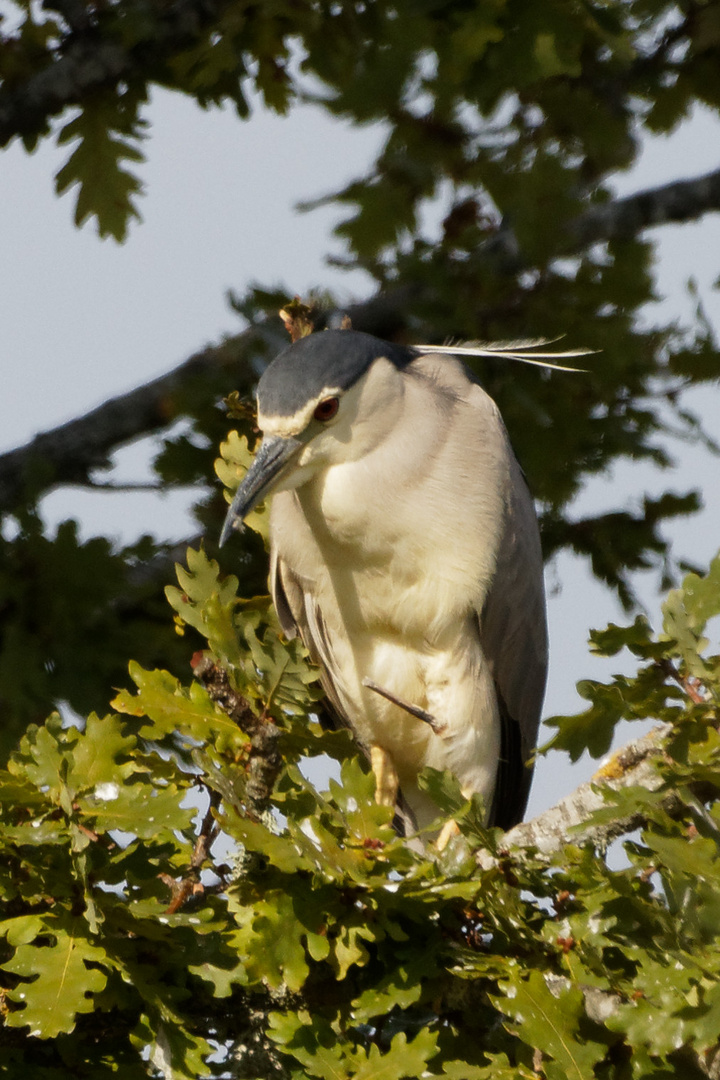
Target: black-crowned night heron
[(405, 550)]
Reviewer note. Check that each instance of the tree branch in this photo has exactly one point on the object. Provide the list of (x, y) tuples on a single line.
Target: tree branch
[(68, 454), (618, 219), (84, 63), (632, 766), (190, 884)]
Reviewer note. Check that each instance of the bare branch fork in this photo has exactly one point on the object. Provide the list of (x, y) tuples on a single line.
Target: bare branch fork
[(190, 884)]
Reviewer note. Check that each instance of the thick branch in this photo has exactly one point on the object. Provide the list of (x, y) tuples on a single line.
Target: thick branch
[(83, 64), (70, 453), (567, 821), (618, 219), (682, 200)]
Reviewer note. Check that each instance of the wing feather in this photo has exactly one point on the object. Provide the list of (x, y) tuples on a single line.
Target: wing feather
[(513, 630), (298, 613)]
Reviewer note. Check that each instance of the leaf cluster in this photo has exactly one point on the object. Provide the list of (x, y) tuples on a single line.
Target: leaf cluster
[(72, 611), (332, 948), (570, 82), (673, 666)]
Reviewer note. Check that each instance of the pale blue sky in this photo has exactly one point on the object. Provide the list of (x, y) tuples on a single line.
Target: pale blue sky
[(82, 319)]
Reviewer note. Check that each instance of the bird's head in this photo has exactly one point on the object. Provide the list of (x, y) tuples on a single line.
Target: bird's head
[(322, 401)]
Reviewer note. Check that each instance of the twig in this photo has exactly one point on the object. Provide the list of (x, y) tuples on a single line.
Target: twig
[(414, 710), (93, 485), (690, 686), (190, 884)]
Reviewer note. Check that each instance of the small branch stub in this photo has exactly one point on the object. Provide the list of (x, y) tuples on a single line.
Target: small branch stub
[(413, 710)]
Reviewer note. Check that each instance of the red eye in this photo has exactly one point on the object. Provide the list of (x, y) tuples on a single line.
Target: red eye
[(327, 409)]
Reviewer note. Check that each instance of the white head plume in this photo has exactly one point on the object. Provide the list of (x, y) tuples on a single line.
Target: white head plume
[(524, 351)]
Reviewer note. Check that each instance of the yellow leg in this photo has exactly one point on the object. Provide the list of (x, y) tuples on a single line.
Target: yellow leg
[(450, 828), (386, 777)]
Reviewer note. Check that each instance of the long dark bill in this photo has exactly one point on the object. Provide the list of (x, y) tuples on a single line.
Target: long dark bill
[(274, 455)]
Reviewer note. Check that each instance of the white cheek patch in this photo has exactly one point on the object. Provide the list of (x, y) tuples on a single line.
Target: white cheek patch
[(293, 425)]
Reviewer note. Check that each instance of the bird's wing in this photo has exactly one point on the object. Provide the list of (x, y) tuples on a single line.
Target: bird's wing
[(299, 613), (513, 631)]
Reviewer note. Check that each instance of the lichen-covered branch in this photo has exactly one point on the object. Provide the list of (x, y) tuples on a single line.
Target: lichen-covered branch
[(568, 820), (264, 760)]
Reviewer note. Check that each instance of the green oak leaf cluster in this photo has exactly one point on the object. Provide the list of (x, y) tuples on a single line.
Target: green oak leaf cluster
[(487, 213), (157, 921)]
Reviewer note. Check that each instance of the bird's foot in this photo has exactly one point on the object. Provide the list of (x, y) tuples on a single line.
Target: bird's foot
[(386, 777), (451, 828), (448, 831)]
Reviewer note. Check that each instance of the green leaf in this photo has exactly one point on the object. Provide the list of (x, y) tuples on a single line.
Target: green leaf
[(638, 638), (403, 1059), (348, 948), (22, 929), (270, 939), (499, 1069), (256, 837), (43, 755), (686, 612), (173, 708), (244, 638), (314, 1045), (549, 1023), (102, 754), (207, 602), (106, 189), (355, 796), (140, 808), (60, 984), (400, 988), (701, 594)]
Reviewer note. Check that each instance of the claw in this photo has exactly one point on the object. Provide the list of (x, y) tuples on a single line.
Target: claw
[(449, 829)]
